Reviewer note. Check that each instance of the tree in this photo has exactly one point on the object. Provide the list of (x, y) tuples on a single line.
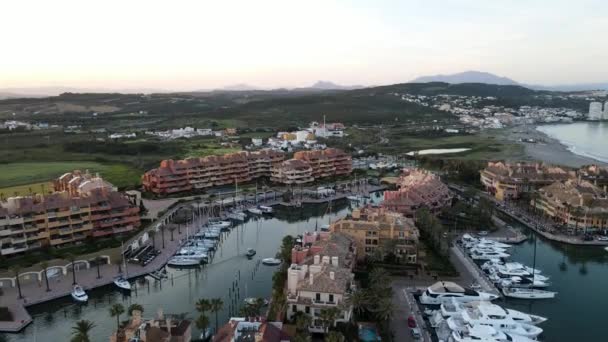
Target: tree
[(80, 332), (303, 321), (44, 265), (115, 311), (216, 306), (203, 305), (202, 322), (134, 307), (359, 301), (328, 317), (334, 336), (382, 309)]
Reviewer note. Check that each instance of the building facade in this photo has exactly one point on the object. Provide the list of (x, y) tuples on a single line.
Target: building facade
[(326, 163), (175, 176), (507, 181), (320, 277), (64, 218), (375, 229), (418, 189), (292, 172), (595, 111), (574, 204)]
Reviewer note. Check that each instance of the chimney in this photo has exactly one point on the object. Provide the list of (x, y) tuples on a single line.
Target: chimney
[(332, 275), (310, 278), (317, 259), (334, 261)]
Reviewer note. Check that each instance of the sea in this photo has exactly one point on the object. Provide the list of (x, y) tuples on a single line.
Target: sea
[(588, 139)]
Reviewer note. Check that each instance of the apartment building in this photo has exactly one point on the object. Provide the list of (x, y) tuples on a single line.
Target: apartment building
[(200, 173), (327, 163), (320, 277), (508, 181), (63, 218), (292, 172), (374, 228), (573, 203), (77, 182), (418, 189)]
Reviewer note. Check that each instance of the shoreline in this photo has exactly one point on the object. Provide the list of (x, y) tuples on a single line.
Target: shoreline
[(546, 148)]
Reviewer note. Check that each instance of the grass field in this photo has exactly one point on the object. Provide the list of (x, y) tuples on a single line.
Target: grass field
[(27, 189), (32, 174)]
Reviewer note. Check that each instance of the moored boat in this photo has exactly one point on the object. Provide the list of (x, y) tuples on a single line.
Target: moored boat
[(271, 261), (254, 301), (79, 294), (522, 293), (442, 290), (182, 261), (266, 209), (122, 283), (254, 211)]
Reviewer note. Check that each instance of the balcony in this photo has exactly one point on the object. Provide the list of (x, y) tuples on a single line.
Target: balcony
[(13, 250), (18, 240)]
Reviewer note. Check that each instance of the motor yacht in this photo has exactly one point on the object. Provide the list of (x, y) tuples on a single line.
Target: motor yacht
[(250, 252), (438, 292), (183, 261), (254, 301), (478, 333), (266, 209), (453, 307), (237, 216), (488, 255), (122, 283), (79, 294), (271, 261), (523, 282), (521, 293), (487, 249), (487, 317), (222, 225)]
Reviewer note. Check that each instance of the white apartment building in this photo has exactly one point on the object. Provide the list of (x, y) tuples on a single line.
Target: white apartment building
[(595, 111)]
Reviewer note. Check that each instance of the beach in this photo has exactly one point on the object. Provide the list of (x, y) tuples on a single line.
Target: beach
[(544, 148)]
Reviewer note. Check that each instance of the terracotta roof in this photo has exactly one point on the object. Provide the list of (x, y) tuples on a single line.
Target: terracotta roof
[(322, 281)]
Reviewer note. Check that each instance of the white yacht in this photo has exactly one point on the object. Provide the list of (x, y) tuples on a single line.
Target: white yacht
[(254, 211), (483, 242), (271, 261), (452, 307), (487, 249), (237, 216), (493, 318), (79, 294), (183, 261), (122, 283), (266, 209), (515, 292), (489, 255), (438, 292), (193, 253), (254, 301), (523, 282), (478, 333), (222, 225)]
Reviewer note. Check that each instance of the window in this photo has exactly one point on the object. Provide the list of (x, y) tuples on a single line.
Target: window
[(307, 310), (294, 308), (318, 297), (331, 298)]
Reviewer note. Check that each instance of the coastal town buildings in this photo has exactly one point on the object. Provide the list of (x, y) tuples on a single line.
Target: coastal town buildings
[(175, 176), (320, 277), (255, 329), (573, 203), (163, 329), (507, 181), (595, 111), (598, 175), (292, 172), (417, 188), (327, 163), (81, 208), (375, 229)]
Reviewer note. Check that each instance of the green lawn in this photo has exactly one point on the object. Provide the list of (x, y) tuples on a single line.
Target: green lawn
[(32, 174)]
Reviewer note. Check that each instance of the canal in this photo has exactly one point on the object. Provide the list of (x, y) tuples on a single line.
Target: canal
[(53, 320)]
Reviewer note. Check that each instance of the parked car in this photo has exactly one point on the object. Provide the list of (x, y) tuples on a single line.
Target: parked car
[(411, 322), (602, 238), (416, 333)]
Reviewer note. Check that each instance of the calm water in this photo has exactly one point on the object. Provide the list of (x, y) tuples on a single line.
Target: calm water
[(580, 275), (589, 139), (53, 320)]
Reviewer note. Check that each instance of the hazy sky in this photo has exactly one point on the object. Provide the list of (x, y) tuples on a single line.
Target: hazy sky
[(183, 44)]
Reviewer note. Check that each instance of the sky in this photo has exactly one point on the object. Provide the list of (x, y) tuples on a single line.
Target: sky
[(202, 44)]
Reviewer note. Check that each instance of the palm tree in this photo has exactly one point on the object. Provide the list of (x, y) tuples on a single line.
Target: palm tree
[(80, 332), (334, 336), (16, 269), (303, 321), (202, 322), (383, 309), (134, 307), (203, 305), (72, 258), (359, 301), (328, 317), (216, 305), (115, 311), (44, 265)]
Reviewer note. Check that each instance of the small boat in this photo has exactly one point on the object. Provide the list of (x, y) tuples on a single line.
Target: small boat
[(522, 293), (250, 252), (122, 283), (254, 301), (183, 261), (266, 209), (255, 211), (325, 228), (237, 216), (79, 294), (221, 225), (271, 261)]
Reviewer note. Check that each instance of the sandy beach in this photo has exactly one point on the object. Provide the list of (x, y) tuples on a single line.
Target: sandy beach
[(545, 148)]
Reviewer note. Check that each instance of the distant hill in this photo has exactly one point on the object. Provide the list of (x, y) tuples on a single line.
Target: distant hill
[(239, 87), (55, 91), (327, 85), (467, 77), (464, 89)]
